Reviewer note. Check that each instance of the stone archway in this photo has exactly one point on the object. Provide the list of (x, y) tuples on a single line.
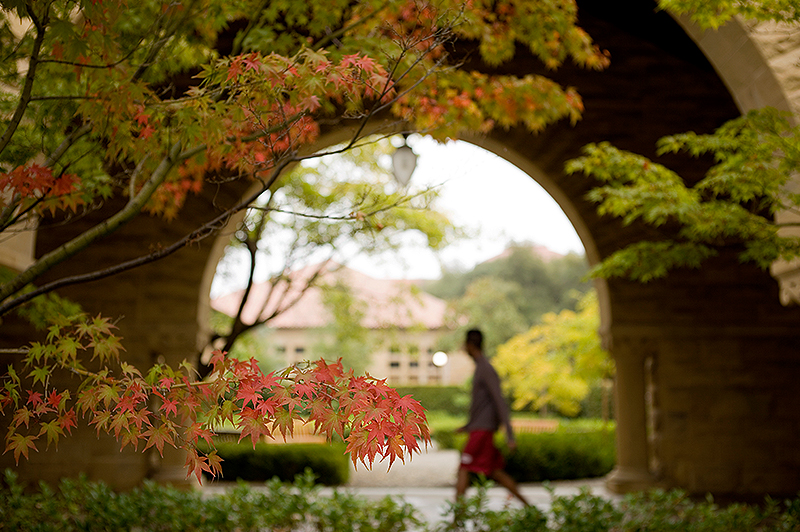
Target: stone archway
[(707, 360)]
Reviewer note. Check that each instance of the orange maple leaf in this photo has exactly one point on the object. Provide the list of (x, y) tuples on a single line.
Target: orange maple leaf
[(20, 445)]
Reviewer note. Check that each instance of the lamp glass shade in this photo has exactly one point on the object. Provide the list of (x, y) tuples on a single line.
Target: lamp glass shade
[(404, 161), (439, 359)]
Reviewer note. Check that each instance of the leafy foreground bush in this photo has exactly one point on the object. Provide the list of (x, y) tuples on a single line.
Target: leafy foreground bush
[(79, 505), (240, 461), (574, 451)]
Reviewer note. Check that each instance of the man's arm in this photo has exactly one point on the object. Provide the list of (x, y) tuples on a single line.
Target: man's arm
[(501, 407)]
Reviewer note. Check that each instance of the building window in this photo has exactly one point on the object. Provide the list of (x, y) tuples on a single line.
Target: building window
[(299, 350), (394, 364), (413, 364), (280, 349)]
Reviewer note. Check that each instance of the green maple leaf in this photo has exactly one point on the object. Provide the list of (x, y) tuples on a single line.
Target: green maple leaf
[(108, 394), (40, 374), (52, 429), (101, 420), (284, 421), (120, 423)]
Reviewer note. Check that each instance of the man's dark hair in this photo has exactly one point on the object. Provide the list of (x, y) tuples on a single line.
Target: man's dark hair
[(475, 338)]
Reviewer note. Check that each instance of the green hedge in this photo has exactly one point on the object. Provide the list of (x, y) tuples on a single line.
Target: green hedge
[(328, 462), (450, 399), (578, 449), (562, 455)]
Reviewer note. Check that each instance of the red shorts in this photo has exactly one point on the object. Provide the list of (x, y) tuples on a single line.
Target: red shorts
[(480, 454)]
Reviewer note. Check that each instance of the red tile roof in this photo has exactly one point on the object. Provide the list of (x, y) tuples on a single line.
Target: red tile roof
[(389, 303), (537, 250)]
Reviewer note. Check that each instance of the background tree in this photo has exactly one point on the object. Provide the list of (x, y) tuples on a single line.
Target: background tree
[(556, 363), (326, 209), (745, 202), (541, 285), (489, 305), (345, 337), (508, 295), (733, 207)]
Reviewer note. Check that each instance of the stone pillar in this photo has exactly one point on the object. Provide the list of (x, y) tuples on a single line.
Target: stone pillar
[(632, 472)]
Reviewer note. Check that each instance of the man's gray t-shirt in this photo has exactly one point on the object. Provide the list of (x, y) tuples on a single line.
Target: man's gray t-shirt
[(488, 410)]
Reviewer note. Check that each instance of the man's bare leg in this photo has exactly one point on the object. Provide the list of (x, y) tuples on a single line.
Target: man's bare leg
[(462, 483), (505, 480)]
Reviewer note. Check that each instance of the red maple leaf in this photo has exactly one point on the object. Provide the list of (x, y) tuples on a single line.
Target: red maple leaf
[(195, 464), (197, 431), (252, 424), (251, 62), (67, 420), (141, 417), (304, 389), (142, 118), (235, 68), (146, 132), (394, 449), (35, 399), (249, 395), (366, 63), (170, 406)]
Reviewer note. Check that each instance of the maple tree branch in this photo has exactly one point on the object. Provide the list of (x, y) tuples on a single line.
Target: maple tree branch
[(111, 224), (14, 351), (67, 143), (25, 94), (331, 37), (11, 215), (200, 233)]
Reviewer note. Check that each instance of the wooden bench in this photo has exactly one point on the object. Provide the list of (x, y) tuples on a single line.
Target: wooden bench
[(534, 426), (303, 433)]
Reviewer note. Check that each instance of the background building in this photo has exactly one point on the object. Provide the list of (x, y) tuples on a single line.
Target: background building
[(403, 324)]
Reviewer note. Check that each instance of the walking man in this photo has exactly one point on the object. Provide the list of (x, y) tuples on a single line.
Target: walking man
[(487, 412)]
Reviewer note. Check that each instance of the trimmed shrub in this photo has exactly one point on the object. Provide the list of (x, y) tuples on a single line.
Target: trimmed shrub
[(562, 455), (450, 399), (329, 463)]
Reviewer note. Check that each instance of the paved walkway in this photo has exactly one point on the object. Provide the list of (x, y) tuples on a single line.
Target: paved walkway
[(428, 483)]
